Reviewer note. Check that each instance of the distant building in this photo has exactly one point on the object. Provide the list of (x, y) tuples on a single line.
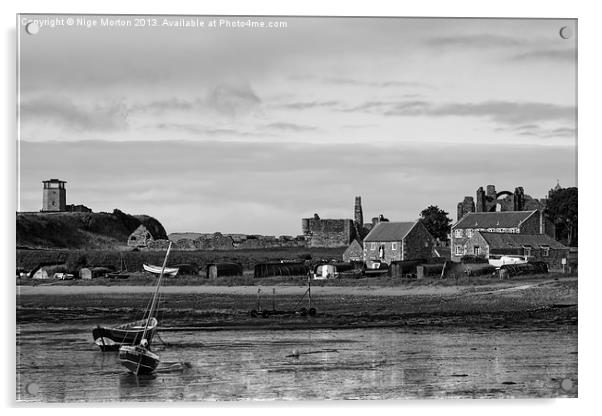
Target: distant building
[(77, 208), (54, 196), (354, 253), (328, 232), (491, 200), (509, 222), (140, 238), (396, 241), (538, 247)]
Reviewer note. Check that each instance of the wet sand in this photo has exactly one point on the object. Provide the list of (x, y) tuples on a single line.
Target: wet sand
[(539, 301)]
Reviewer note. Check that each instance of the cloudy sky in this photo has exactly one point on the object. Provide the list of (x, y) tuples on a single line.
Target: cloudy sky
[(248, 130)]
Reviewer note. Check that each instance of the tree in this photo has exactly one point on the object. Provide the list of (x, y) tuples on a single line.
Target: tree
[(561, 209), (436, 222)]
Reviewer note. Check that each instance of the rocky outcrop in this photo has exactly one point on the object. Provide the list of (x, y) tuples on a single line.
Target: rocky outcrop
[(81, 230)]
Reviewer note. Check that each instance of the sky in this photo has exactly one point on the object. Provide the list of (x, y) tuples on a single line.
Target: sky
[(247, 130)]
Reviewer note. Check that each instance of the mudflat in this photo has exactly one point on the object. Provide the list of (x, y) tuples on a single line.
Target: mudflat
[(542, 301)]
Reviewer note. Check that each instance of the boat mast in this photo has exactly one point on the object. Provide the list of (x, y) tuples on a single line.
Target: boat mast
[(156, 295)]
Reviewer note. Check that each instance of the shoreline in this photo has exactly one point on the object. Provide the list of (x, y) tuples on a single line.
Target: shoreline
[(542, 303)]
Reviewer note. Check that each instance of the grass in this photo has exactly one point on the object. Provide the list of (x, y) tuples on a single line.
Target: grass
[(143, 279)]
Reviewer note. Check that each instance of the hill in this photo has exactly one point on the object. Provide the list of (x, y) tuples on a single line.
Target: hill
[(81, 230)]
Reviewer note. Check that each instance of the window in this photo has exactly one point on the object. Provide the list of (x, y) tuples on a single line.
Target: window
[(458, 250), (468, 233), (372, 246), (476, 250), (393, 246), (458, 233), (527, 250), (545, 251)]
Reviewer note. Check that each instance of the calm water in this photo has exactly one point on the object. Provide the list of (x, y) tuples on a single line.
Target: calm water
[(61, 364)]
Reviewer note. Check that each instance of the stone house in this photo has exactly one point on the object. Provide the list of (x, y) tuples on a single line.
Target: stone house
[(354, 253), (508, 222), (140, 238), (537, 247), (397, 241)]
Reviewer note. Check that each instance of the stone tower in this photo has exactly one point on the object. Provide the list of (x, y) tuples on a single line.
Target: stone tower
[(54, 197), (359, 218), (519, 199), (465, 206), (481, 200)]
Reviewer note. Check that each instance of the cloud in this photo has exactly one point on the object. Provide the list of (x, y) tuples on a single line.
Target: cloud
[(225, 99), (171, 104), (63, 112), (535, 130), (233, 100), (363, 83), (290, 127), (480, 41), (547, 55), (304, 105), (503, 112), (201, 130)]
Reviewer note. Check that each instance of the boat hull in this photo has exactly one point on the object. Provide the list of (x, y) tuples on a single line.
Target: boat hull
[(112, 338), (138, 359), (169, 271)]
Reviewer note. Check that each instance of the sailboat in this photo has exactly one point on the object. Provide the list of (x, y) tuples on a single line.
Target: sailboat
[(138, 358), (122, 273)]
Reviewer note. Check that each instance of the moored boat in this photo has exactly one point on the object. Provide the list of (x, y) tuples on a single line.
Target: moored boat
[(111, 338), (137, 357), (170, 271)]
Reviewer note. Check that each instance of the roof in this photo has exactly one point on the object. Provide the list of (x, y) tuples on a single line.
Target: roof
[(54, 181), (503, 219), (509, 240), (390, 231), (354, 245)]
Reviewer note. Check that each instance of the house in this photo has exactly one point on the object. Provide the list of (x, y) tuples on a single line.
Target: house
[(535, 247), (354, 253), (442, 252), (141, 237), (396, 241), (509, 222)]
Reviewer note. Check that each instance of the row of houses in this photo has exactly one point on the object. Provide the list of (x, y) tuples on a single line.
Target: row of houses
[(484, 234)]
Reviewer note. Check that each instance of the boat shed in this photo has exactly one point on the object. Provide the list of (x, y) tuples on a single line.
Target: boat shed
[(215, 270), (87, 273), (48, 271), (280, 269)]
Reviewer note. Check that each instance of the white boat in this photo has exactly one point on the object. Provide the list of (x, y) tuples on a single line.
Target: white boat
[(169, 271), (498, 261)]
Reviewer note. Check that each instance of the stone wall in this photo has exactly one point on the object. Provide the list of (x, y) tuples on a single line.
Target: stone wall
[(219, 241), (418, 244), (328, 232)]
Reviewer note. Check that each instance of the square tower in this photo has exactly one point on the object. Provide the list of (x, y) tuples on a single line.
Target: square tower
[(54, 197)]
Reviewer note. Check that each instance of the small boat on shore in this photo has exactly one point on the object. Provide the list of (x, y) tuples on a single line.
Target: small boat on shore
[(169, 271), (111, 338), (137, 357)]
